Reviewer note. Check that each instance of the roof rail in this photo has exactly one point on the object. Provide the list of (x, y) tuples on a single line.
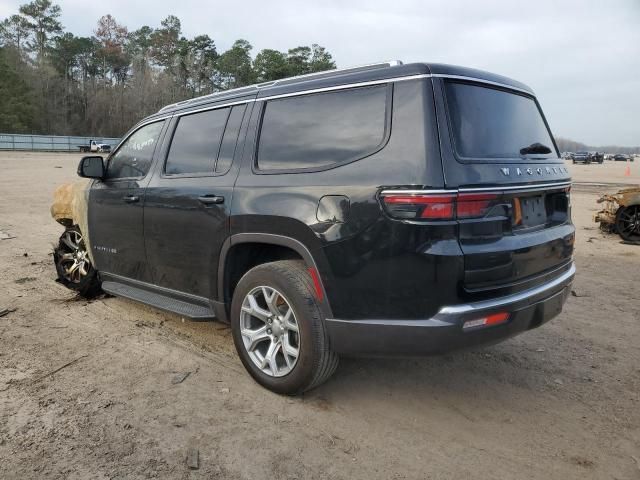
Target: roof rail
[(283, 81), (210, 95), (340, 71)]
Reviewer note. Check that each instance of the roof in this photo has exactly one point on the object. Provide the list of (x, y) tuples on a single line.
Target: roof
[(360, 74)]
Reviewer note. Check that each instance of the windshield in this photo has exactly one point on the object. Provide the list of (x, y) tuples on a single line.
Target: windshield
[(490, 123)]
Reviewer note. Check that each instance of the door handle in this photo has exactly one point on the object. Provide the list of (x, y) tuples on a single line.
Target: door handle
[(131, 198), (211, 199)]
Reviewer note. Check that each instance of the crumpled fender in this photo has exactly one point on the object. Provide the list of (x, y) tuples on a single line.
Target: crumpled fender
[(71, 206), (624, 197), (612, 203)]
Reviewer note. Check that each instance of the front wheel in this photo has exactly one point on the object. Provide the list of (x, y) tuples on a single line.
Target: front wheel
[(73, 265), (278, 328)]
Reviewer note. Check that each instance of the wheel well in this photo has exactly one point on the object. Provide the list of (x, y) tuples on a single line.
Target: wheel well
[(243, 257)]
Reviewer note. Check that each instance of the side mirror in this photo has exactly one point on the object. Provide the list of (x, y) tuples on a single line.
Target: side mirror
[(91, 167)]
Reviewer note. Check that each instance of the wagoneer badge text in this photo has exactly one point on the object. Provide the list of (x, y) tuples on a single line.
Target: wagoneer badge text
[(506, 171)]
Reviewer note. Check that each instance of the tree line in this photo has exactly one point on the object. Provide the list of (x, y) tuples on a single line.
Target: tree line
[(54, 82)]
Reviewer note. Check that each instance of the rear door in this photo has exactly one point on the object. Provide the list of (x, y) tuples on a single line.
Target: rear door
[(116, 206), (188, 199), (513, 208)]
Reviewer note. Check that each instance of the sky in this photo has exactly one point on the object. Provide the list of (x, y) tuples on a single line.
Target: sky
[(581, 57)]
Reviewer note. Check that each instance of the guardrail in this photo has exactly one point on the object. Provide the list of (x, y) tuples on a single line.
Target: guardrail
[(49, 143)]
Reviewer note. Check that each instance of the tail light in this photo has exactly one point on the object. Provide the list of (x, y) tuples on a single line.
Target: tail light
[(474, 205), (433, 207), (440, 206)]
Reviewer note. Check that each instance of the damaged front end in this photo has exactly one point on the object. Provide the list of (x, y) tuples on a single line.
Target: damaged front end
[(72, 255), (71, 206), (621, 214)]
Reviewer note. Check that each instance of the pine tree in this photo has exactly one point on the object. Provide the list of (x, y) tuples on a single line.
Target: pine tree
[(16, 109)]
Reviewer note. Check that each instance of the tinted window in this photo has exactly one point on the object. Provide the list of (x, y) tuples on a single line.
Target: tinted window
[(230, 139), (492, 123), (311, 131), (196, 142), (133, 157)]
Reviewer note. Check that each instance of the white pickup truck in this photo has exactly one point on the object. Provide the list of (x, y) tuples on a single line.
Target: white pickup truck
[(95, 147)]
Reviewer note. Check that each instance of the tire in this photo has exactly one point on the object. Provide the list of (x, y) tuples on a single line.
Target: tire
[(628, 223), (314, 362), (73, 265)]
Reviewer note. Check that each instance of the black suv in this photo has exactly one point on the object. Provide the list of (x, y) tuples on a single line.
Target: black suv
[(582, 157), (399, 209)]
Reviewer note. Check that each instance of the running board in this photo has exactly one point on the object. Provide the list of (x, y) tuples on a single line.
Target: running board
[(195, 311)]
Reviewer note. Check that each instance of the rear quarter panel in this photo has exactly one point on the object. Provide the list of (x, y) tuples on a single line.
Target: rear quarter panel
[(364, 272)]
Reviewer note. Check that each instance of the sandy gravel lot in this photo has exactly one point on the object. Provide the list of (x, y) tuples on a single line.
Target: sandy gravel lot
[(559, 402), (608, 172)]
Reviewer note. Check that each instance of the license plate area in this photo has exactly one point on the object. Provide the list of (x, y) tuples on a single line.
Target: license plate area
[(529, 211)]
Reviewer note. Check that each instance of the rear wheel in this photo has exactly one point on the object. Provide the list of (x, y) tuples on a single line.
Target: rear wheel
[(628, 223), (74, 267), (278, 328)]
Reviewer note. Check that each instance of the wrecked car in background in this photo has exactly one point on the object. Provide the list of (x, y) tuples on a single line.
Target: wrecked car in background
[(621, 214)]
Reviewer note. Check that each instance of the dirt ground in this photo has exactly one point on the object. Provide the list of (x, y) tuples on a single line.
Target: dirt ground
[(560, 402)]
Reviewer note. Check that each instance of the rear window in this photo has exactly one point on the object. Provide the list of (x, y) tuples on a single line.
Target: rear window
[(491, 123), (322, 130)]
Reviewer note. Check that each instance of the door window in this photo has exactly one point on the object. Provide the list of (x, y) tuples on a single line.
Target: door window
[(133, 157), (196, 142), (205, 142)]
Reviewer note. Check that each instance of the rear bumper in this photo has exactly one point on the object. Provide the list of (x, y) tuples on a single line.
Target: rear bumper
[(443, 332)]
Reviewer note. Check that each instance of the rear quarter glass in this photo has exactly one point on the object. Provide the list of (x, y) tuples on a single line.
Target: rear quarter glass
[(323, 130)]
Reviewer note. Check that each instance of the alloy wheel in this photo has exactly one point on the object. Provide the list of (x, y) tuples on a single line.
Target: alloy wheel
[(269, 331), (73, 258), (628, 223)]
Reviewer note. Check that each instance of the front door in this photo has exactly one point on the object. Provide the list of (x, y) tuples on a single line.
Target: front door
[(116, 206), (188, 200)]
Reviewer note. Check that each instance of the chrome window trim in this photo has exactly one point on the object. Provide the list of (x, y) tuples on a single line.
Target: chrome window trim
[(214, 107), (345, 86), (331, 89), (518, 187), (481, 80), (306, 76), (415, 192), (143, 123), (538, 186)]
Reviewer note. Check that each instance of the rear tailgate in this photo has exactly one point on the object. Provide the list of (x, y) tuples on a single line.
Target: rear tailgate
[(522, 238), (513, 211)]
